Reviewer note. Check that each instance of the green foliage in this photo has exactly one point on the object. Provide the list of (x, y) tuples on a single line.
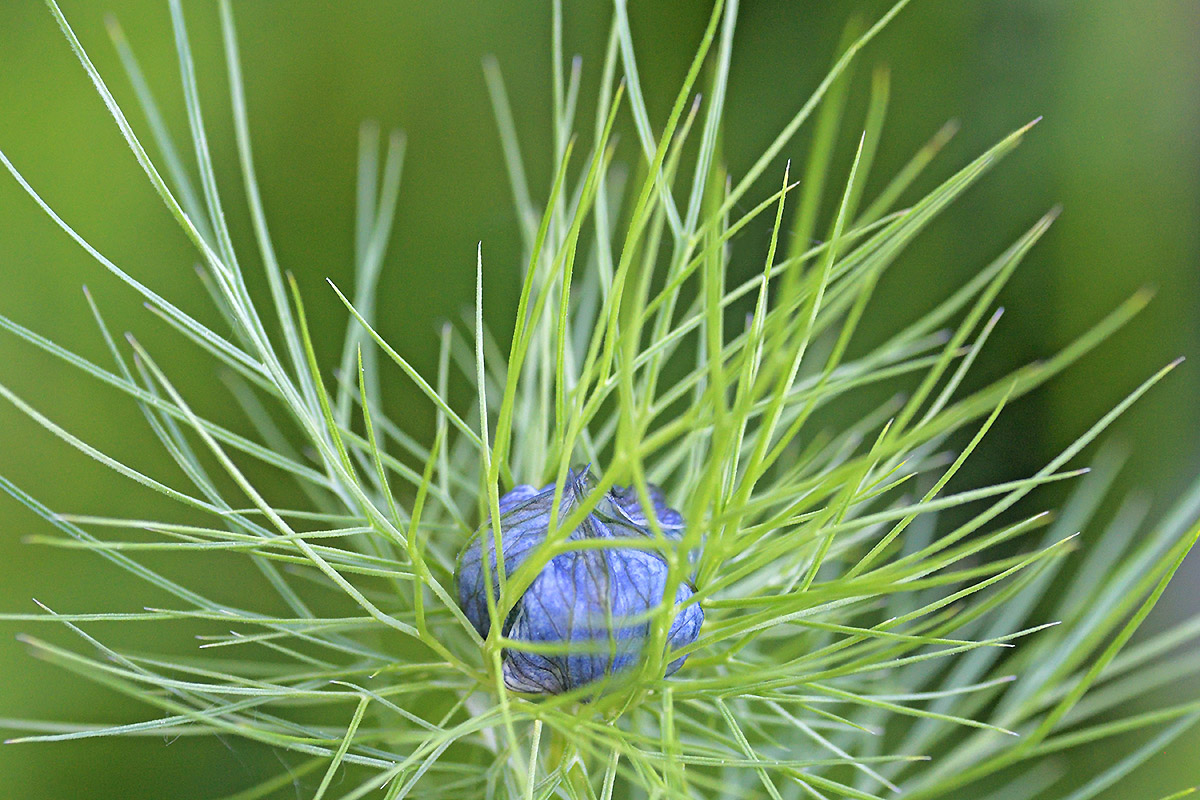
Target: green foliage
[(855, 643)]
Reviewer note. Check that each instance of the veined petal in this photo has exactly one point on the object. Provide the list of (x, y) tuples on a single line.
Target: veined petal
[(626, 498), (524, 523), (598, 603)]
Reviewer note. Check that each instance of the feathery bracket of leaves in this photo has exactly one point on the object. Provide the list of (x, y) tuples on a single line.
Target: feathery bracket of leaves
[(853, 645)]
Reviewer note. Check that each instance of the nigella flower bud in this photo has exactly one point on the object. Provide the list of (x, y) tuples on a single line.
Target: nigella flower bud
[(595, 598)]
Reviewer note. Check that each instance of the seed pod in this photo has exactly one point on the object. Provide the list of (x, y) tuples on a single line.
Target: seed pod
[(599, 599)]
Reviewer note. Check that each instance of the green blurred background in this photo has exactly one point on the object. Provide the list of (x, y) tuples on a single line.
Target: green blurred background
[(1119, 148)]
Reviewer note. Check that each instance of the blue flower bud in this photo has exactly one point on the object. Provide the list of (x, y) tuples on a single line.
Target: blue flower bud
[(596, 598)]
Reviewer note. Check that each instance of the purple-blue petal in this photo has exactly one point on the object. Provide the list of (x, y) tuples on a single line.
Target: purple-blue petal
[(594, 602), (627, 499), (598, 603), (524, 522)]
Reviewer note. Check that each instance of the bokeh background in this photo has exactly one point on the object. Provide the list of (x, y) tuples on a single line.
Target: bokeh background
[(1119, 147)]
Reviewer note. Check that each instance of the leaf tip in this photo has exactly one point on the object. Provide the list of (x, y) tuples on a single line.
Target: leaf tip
[(1029, 125)]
